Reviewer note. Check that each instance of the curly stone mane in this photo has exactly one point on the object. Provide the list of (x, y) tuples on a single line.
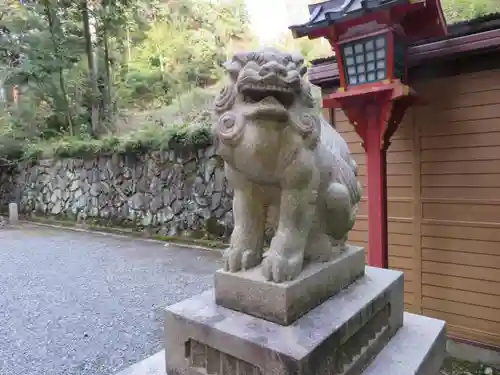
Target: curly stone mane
[(266, 81)]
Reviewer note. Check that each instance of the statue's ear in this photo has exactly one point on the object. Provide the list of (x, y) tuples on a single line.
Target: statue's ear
[(233, 69), (234, 65)]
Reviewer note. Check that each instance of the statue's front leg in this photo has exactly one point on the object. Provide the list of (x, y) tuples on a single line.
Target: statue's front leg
[(285, 258), (247, 239)]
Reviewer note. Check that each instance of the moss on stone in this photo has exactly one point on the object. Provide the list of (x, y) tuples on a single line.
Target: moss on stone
[(215, 228), (212, 244), (454, 366), (104, 225)]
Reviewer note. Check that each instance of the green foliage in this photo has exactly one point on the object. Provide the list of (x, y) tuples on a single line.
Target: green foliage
[(185, 123), (310, 49), (197, 33), (81, 67), (460, 10), (148, 138), (154, 137)]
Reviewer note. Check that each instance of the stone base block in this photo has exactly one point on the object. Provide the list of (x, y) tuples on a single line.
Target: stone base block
[(340, 336), (416, 349), (283, 303)]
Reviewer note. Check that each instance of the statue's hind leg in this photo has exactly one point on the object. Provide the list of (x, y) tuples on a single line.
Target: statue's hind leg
[(339, 214), (319, 246)]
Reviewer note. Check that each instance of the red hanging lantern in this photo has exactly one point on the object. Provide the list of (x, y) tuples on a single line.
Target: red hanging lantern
[(370, 39)]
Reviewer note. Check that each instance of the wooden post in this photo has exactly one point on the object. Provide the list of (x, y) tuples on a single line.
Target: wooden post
[(375, 115), (417, 215), (376, 156)]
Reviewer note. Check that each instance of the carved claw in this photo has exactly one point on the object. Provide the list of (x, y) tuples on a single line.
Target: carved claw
[(240, 259), (277, 268)]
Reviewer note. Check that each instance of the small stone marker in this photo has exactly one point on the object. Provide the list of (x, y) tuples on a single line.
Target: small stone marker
[(13, 213)]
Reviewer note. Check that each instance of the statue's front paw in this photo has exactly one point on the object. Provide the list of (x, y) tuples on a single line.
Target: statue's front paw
[(277, 268), (236, 259)]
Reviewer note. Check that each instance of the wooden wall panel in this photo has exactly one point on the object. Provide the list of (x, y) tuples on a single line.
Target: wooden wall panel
[(401, 207), (469, 211), (460, 194), (444, 203), (484, 81), (460, 127)]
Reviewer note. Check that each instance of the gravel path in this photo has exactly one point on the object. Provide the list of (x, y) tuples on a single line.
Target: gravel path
[(87, 304)]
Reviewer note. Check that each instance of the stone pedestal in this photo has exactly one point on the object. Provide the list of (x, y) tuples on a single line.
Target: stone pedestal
[(335, 318), (416, 349), (340, 335)]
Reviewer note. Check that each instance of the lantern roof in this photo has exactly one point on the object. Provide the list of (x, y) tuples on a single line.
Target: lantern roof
[(420, 18), (331, 12)]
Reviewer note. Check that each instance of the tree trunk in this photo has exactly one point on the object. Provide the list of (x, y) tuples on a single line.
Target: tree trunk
[(108, 110), (94, 110), (129, 48), (106, 74), (53, 25)]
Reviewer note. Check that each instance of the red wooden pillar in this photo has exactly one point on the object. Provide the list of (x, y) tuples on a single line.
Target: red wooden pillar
[(376, 161), (375, 114)]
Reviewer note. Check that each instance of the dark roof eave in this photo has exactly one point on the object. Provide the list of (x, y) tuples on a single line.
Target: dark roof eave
[(328, 18)]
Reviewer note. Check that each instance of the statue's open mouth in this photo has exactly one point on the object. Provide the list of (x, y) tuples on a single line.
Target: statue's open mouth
[(272, 97), (268, 107), (268, 94), (256, 93)]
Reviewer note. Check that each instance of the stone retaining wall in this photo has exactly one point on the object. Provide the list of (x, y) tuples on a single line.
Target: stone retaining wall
[(172, 193)]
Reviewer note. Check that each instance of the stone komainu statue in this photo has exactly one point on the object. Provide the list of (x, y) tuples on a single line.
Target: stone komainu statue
[(280, 154)]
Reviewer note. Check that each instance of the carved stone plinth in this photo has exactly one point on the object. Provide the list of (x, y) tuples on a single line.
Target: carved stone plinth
[(283, 303), (418, 348), (340, 336)]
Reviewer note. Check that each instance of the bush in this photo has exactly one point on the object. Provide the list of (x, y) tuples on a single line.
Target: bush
[(150, 131), (156, 137), (149, 138)]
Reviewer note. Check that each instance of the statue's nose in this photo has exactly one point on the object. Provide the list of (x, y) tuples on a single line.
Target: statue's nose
[(273, 67)]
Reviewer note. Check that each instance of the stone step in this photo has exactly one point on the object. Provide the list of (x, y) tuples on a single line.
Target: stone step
[(416, 349), (154, 365), (339, 336)]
